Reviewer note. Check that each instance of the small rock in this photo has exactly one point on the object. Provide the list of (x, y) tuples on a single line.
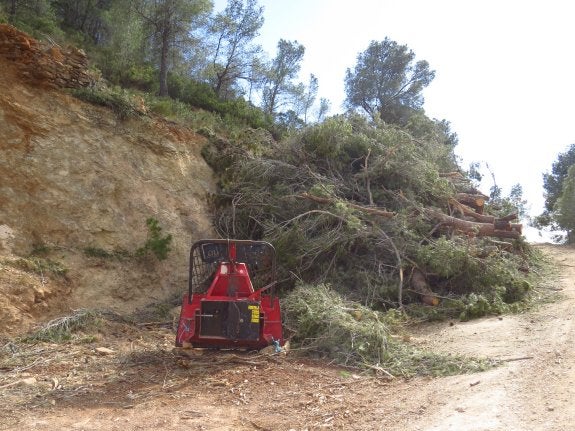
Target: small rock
[(268, 350), (104, 351), (186, 345), (30, 381)]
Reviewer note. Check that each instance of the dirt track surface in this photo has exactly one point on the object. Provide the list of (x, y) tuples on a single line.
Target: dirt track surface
[(140, 384)]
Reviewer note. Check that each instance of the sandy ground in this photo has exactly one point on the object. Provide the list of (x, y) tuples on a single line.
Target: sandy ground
[(130, 379)]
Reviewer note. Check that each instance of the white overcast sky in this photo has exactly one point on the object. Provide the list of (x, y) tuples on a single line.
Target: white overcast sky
[(505, 69)]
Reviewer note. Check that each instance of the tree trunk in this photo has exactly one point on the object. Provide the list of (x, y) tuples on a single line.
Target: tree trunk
[(376, 211), (468, 212), (12, 11), (164, 61), (502, 229), (419, 284), (475, 201)]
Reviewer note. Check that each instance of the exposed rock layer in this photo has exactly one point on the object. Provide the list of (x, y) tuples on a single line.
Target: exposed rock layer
[(73, 177)]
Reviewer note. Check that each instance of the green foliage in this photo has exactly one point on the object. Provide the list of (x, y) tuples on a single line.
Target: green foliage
[(476, 279), (83, 17), (341, 145), (119, 100), (157, 244), (38, 265), (169, 26), (172, 109), (553, 182), (446, 257), (351, 334), (122, 51), (36, 18), (141, 77), (312, 196), (475, 266), (201, 95), (3, 15), (501, 206), (190, 91), (334, 241), (325, 322), (278, 84), (408, 361), (105, 254), (386, 84), (564, 208), (234, 29)]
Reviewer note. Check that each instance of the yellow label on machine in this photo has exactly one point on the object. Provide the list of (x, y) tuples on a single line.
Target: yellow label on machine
[(255, 313)]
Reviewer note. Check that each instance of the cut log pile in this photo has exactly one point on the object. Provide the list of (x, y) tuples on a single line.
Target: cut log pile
[(465, 216), (466, 213), (499, 228), (42, 64)]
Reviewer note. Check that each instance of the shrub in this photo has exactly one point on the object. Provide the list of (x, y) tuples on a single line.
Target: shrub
[(201, 95), (38, 265), (105, 254), (118, 100), (143, 77), (156, 244)]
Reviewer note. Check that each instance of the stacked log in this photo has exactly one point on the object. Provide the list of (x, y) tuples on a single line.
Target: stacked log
[(485, 225), (497, 228), (475, 200), (42, 64), (419, 284)]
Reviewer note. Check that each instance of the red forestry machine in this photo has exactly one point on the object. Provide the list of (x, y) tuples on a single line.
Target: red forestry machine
[(231, 302)]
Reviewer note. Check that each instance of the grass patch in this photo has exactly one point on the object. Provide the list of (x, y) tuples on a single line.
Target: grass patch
[(38, 265), (105, 254), (117, 99)]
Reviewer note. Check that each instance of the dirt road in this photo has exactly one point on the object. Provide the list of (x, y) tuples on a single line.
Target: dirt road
[(129, 379)]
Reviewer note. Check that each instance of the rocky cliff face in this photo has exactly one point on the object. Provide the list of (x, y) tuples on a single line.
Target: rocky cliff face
[(74, 177), (43, 64)]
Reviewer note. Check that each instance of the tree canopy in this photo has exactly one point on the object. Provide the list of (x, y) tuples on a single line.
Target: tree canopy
[(564, 208), (553, 182), (169, 23), (386, 82), (234, 54), (557, 186), (283, 69)]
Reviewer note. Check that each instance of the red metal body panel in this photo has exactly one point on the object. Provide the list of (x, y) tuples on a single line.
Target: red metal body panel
[(230, 313)]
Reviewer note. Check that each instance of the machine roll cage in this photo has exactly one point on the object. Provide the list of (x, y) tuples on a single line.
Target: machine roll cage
[(258, 256)]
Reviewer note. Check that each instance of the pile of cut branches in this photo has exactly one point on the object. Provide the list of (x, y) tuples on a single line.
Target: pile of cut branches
[(383, 215)]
